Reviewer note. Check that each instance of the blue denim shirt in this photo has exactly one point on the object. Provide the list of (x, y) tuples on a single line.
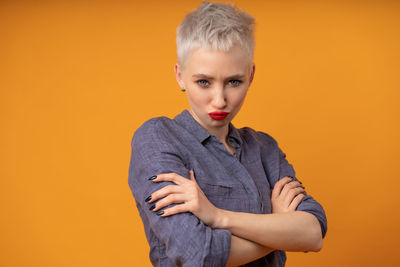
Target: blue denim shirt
[(242, 183)]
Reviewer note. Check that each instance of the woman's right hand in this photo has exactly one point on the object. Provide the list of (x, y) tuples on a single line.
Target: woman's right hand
[(188, 196), (286, 195)]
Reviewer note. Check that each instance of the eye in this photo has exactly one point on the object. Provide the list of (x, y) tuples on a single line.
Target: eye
[(203, 83), (235, 83)]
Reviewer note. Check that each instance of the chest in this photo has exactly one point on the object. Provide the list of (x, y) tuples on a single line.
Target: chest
[(238, 183)]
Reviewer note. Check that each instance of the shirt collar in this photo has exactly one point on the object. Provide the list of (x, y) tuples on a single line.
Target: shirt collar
[(186, 120), (234, 133)]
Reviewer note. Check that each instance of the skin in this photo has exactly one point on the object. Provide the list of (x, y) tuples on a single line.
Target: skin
[(219, 81)]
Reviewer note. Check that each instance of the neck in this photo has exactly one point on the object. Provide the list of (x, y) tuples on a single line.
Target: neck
[(220, 132)]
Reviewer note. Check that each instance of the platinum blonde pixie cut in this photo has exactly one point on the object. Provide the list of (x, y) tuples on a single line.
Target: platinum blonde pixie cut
[(215, 26)]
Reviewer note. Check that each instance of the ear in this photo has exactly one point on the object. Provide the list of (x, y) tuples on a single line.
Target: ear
[(253, 70), (178, 75)]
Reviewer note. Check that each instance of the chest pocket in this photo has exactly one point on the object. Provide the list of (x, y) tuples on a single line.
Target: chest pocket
[(230, 197)]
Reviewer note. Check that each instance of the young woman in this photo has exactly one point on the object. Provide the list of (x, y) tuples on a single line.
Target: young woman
[(210, 194)]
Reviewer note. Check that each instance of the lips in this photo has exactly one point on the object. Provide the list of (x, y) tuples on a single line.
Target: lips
[(218, 115)]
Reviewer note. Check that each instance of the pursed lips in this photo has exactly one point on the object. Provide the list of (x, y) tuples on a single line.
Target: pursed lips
[(218, 115)]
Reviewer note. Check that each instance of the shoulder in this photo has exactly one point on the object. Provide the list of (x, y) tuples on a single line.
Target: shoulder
[(152, 125), (263, 139), (153, 129)]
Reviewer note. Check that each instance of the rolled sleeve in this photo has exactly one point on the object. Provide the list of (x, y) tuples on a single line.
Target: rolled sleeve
[(188, 242), (278, 167)]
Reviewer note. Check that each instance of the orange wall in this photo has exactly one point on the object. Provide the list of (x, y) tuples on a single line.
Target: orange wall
[(78, 77)]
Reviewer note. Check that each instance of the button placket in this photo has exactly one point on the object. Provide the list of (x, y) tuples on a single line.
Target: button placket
[(240, 173), (235, 146)]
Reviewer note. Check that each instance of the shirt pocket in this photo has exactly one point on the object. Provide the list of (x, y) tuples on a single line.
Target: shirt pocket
[(215, 190), (230, 197)]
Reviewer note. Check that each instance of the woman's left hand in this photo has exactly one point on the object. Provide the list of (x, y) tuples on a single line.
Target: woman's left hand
[(286, 195), (187, 194)]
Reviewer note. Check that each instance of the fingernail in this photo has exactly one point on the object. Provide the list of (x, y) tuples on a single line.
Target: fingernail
[(153, 177), (152, 207), (161, 212), (148, 198)]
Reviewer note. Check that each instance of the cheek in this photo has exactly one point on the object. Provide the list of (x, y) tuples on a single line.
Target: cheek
[(198, 98), (239, 97)]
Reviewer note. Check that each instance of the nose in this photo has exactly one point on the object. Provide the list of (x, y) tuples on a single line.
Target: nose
[(219, 99)]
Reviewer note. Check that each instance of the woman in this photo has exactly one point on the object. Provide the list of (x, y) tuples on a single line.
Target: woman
[(210, 194)]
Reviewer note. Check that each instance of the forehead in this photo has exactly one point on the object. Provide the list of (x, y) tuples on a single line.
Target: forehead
[(218, 62)]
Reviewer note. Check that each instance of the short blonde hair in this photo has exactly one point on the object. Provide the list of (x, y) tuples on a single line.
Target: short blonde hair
[(215, 26)]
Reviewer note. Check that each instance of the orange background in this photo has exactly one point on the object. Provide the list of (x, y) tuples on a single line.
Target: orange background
[(78, 77)]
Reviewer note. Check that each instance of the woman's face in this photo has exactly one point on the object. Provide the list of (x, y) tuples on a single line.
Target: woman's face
[(216, 83)]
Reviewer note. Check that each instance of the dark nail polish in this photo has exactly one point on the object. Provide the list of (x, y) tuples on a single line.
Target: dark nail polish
[(152, 207), (153, 177), (161, 212), (148, 199)]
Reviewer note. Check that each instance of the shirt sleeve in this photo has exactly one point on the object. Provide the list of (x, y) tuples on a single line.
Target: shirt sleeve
[(277, 167), (187, 240)]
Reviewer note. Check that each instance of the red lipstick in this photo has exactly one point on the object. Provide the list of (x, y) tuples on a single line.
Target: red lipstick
[(218, 115)]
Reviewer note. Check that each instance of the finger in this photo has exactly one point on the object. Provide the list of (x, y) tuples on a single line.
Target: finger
[(168, 200), (169, 177), (296, 201), (163, 192), (292, 194), (278, 186), (173, 210), (288, 187), (191, 175)]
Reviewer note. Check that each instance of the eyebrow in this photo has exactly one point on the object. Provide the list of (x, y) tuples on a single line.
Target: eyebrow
[(205, 76)]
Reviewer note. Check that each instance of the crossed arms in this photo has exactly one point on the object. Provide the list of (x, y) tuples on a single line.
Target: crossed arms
[(253, 235)]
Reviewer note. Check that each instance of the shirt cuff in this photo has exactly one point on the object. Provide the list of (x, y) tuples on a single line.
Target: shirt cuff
[(220, 247)]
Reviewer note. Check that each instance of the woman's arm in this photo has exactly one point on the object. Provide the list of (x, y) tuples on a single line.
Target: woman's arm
[(293, 231), (244, 251), (182, 238), (285, 229), (277, 166)]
